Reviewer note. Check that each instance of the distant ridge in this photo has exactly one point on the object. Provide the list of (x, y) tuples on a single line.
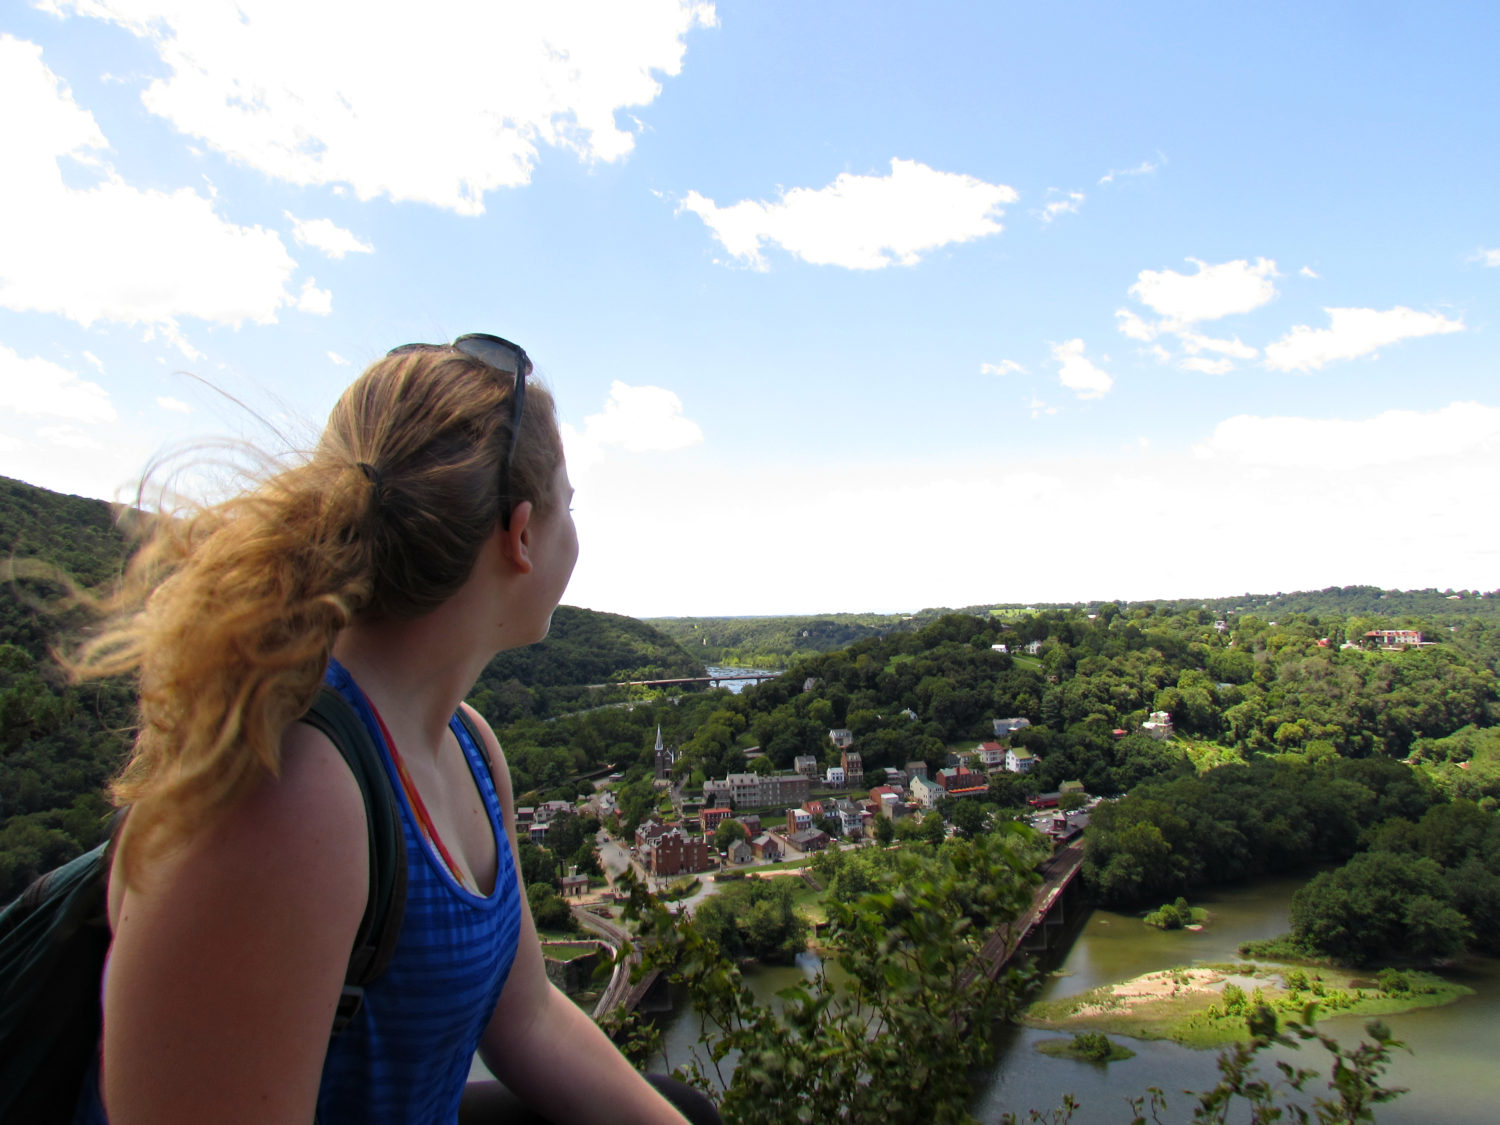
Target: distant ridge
[(775, 641)]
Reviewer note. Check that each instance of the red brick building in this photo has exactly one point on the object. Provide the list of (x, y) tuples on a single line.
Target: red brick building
[(667, 850), (712, 818)]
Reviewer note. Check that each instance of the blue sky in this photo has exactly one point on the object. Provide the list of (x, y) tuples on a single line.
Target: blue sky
[(846, 306)]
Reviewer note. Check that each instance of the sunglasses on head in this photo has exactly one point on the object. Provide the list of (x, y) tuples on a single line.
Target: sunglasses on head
[(502, 355)]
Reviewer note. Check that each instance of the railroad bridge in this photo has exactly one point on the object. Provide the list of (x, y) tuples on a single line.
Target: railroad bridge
[(711, 681), (1029, 931)]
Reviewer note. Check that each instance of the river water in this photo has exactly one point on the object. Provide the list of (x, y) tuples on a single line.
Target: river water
[(1450, 1072), (737, 686)]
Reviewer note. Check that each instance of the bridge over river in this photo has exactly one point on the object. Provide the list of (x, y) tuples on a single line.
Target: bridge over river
[(1029, 929), (712, 681)]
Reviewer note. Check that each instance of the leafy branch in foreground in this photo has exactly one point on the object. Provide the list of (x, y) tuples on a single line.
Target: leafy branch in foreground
[(894, 1036), (894, 1031), (1354, 1079)]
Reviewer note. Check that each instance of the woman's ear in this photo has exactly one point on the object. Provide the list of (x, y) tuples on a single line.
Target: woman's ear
[(515, 540)]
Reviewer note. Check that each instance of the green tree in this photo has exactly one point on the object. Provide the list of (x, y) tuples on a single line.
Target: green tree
[(897, 1039), (548, 908), (1379, 905), (971, 817), (727, 832)]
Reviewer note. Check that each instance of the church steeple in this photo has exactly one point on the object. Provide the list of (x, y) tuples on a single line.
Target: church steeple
[(664, 758)]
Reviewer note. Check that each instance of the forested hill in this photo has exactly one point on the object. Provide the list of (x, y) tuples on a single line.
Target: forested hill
[(1333, 601), (583, 647), (59, 743), (776, 641)]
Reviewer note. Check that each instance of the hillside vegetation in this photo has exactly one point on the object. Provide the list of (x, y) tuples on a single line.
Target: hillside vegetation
[(60, 743), (776, 641)]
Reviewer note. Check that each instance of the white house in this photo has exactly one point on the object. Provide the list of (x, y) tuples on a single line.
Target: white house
[(1159, 725), (1018, 760), (924, 792), (991, 755)]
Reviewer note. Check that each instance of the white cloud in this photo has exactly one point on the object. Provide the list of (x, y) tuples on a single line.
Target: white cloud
[(69, 437), (1078, 374), (1068, 204), (1192, 343), (1487, 257), (1039, 408), (337, 359), (634, 420), (860, 222), (167, 329), (1212, 292), (438, 109), (313, 300), (1308, 271), (1393, 438), (94, 361), (1144, 168), (325, 235), (1004, 367), (1158, 353), (38, 387), (151, 256), (1352, 333), (176, 405), (1206, 366), (1132, 325)]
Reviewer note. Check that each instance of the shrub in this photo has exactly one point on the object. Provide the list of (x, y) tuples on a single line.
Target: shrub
[(1093, 1045), (1393, 981)]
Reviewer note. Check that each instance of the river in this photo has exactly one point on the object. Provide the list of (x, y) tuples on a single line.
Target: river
[(737, 686), (1450, 1071)]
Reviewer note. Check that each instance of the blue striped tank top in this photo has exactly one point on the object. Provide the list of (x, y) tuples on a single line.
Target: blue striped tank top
[(404, 1058)]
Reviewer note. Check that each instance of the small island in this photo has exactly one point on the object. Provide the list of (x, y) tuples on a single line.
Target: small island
[(1207, 1005), (1178, 916), (1086, 1046)]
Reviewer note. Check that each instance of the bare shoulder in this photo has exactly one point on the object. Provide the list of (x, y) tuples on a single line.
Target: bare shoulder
[(229, 956)]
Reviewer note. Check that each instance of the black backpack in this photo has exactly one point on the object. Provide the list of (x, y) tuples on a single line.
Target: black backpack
[(54, 937)]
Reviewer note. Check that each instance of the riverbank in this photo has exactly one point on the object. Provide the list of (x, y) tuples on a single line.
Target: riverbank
[(1205, 1005)]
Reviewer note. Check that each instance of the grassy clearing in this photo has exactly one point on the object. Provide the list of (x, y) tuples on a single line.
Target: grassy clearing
[(568, 950), (783, 865), (1207, 1005), (1208, 755), (809, 904)]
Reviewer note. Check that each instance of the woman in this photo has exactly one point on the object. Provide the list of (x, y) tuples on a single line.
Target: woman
[(428, 531)]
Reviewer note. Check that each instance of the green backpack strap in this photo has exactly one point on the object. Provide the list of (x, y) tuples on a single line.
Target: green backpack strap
[(53, 940), (386, 904)]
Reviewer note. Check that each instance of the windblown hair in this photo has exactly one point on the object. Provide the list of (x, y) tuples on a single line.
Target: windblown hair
[(227, 616)]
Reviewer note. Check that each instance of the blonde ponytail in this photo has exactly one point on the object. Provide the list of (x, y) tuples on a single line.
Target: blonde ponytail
[(227, 617)]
